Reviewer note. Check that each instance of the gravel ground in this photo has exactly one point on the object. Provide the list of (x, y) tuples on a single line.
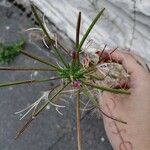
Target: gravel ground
[(50, 131)]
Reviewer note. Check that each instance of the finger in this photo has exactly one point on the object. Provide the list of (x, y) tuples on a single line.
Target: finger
[(137, 73), (138, 59)]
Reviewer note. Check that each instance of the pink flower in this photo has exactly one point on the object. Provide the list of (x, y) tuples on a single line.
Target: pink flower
[(76, 84)]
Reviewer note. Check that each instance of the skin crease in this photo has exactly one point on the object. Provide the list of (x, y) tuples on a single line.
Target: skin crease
[(133, 108)]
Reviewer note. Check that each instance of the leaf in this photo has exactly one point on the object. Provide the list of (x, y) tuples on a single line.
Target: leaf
[(89, 29), (28, 81), (47, 35), (39, 59), (102, 88)]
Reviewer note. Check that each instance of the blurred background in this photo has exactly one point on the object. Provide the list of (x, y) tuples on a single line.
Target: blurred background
[(125, 24)]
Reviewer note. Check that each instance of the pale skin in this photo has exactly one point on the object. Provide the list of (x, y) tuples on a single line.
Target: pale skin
[(133, 108)]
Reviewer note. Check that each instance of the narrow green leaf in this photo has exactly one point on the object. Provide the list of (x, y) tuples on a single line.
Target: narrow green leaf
[(41, 24), (117, 91), (26, 125), (95, 103), (78, 30), (89, 29), (39, 59), (38, 112), (27, 81), (25, 69)]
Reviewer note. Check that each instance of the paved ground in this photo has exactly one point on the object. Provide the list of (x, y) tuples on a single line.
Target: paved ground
[(50, 131)]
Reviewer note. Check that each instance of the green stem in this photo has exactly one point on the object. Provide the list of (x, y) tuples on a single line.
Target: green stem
[(90, 28), (26, 69), (28, 81), (39, 59), (46, 33), (41, 24), (117, 91), (61, 57), (24, 127), (94, 77), (62, 47)]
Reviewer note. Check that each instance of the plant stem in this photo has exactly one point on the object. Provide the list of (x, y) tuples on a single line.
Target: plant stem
[(95, 103), (117, 91), (39, 59), (41, 24), (78, 30), (111, 117), (64, 49), (24, 127), (46, 33), (94, 77), (27, 81), (90, 28), (39, 111), (78, 117), (26, 69), (78, 35)]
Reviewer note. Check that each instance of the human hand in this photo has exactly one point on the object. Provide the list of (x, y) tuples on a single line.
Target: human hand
[(133, 108)]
